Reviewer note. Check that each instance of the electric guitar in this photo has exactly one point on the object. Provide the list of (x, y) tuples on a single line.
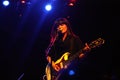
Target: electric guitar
[(64, 61)]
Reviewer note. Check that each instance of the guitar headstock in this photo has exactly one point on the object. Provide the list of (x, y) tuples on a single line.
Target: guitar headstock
[(96, 43)]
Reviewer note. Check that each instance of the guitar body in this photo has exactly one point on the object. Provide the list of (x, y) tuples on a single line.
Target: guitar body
[(59, 63), (62, 59)]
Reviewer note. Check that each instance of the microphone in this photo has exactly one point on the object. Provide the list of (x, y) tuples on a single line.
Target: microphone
[(59, 31)]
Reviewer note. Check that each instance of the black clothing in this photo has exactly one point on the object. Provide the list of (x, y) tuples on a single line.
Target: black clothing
[(71, 44)]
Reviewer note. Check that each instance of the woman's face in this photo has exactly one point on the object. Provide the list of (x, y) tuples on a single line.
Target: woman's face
[(62, 28)]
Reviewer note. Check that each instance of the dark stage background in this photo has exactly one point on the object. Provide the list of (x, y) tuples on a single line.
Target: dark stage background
[(25, 34)]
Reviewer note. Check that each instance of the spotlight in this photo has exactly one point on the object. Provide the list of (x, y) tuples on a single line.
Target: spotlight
[(48, 7), (71, 72), (72, 2), (6, 3), (23, 1)]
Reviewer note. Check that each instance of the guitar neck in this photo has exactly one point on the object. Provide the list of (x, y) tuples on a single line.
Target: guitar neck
[(96, 43)]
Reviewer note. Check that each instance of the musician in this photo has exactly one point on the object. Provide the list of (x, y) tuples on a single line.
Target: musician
[(63, 44)]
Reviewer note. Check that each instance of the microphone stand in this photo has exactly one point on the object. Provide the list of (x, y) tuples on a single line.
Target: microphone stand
[(51, 44)]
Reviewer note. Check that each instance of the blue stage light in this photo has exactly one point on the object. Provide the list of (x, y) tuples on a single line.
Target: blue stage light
[(48, 7), (6, 3), (71, 72)]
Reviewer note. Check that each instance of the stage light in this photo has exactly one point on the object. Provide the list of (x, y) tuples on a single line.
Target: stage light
[(6, 3), (23, 1), (72, 2), (71, 72), (48, 7)]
